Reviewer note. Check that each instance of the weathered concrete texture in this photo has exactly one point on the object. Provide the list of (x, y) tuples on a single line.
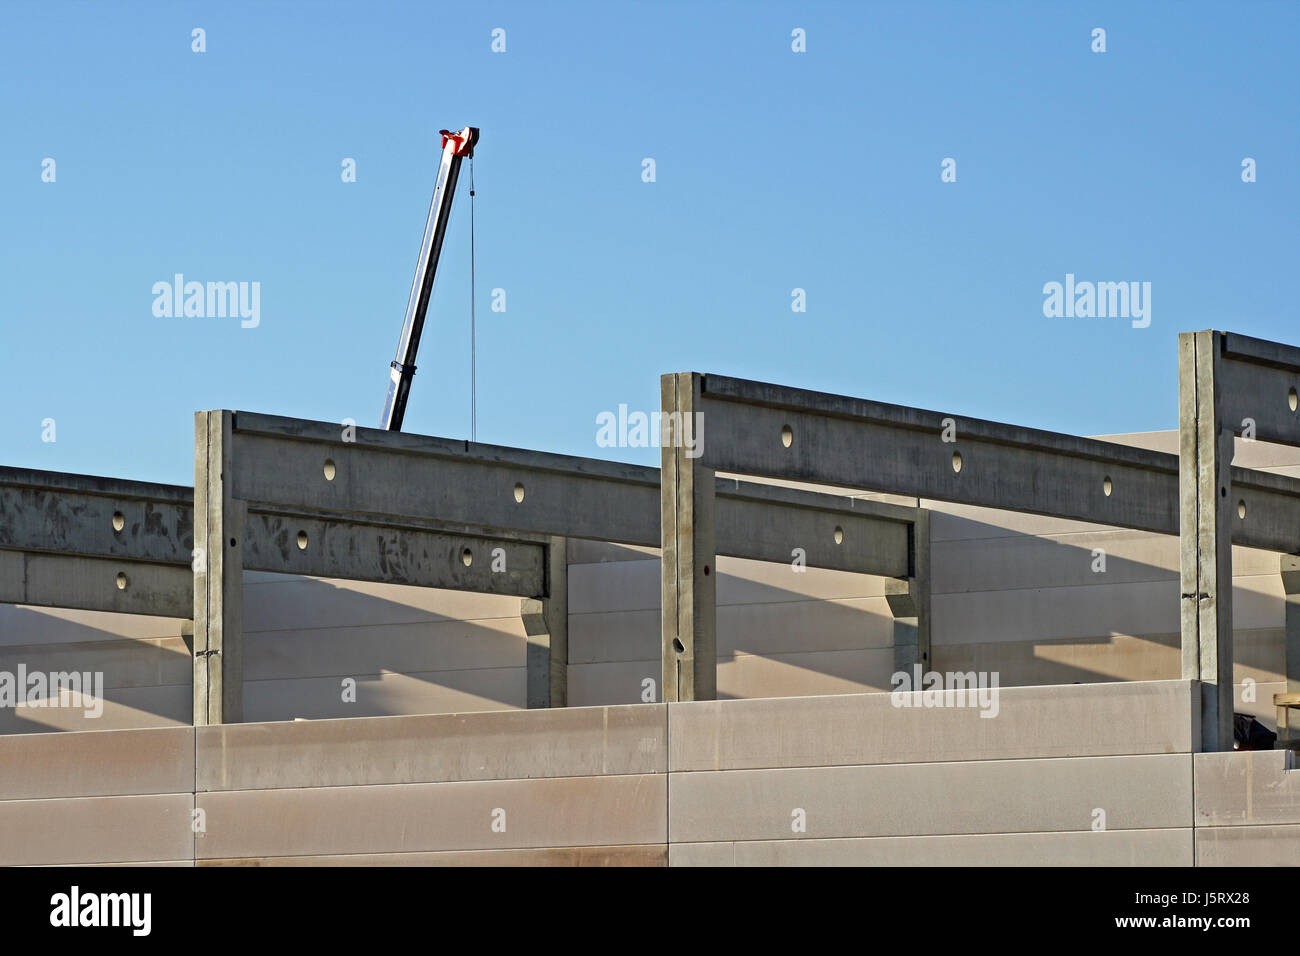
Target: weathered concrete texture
[(97, 764), (1106, 848), (96, 829), (550, 812), (995, 796), (1247, 789), (1248, 846), (689, 592), (568, 742), (1064, 721), (650, 855)]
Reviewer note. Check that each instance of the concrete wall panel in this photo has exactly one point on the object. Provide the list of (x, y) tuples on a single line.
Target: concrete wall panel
[(996, 796), (569, 742), (328, 821)]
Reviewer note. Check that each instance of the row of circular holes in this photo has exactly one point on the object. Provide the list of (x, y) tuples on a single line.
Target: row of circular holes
[(787, 439)]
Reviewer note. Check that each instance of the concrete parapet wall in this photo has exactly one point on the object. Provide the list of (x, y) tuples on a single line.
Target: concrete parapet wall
[(849, 780)]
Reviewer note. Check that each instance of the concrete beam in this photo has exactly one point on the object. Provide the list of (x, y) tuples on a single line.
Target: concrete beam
[(99, 544), (1208, 505), (1260, 387), (856, 443), (689, 550), (95, 584), (329, 547), (282, 464)]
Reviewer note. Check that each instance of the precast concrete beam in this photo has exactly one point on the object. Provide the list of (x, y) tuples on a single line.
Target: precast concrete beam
[(756, 428)]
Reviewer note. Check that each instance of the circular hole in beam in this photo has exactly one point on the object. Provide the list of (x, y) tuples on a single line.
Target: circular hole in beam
[(121, 580), (839, 535), (1241, 509), (1292, 399), (519, 491), (787, 436), (678, 646), (119, 521), (467, 557), (302, 540), (1106, 486), (956, 461), (330, 469)]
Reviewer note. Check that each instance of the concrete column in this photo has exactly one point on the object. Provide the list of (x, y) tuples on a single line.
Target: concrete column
[(1205, 449), (689, 579), (219, 521), (546, 622), (1291, 584), (909, 600)]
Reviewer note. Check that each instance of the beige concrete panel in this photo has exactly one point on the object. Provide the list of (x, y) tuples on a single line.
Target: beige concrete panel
[(404, 648), (741, 581), (384, 695), (1248, 846), (702, 854), (97, 764), (613, 636), (1104, 658), (800, 626), (1152, 657), (803, 626), (805, 675), (652, 855), (1247, 788), (634, 585), (124, 708), (564, 742), (306, 602), (563, 811), (20, 624), (1047, 613), (131, 863), (614, 586), (142, 662), (619, 682), (989, 796), (96, 829), (1024, 561), (1171, 847), (1030, 722)]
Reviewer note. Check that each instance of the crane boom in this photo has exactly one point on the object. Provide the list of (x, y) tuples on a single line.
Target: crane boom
[(455, 147)]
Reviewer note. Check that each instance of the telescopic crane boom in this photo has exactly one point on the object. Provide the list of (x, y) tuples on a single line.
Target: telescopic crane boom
[(455, 147)]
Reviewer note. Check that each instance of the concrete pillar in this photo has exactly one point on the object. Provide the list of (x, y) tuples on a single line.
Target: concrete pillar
[(1205, 449), (1291, 649), (546, 623), (219, 521), (909, 600), (689, 578)]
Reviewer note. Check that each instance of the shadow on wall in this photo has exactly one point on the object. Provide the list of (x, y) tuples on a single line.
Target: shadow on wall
[(1036, 608)]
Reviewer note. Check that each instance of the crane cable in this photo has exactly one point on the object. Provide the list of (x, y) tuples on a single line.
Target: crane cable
[(473, 358)]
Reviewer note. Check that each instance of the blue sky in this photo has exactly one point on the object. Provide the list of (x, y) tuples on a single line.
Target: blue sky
[(775, 170)]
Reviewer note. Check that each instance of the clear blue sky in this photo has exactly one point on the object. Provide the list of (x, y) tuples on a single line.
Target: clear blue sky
[(775, 170)]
